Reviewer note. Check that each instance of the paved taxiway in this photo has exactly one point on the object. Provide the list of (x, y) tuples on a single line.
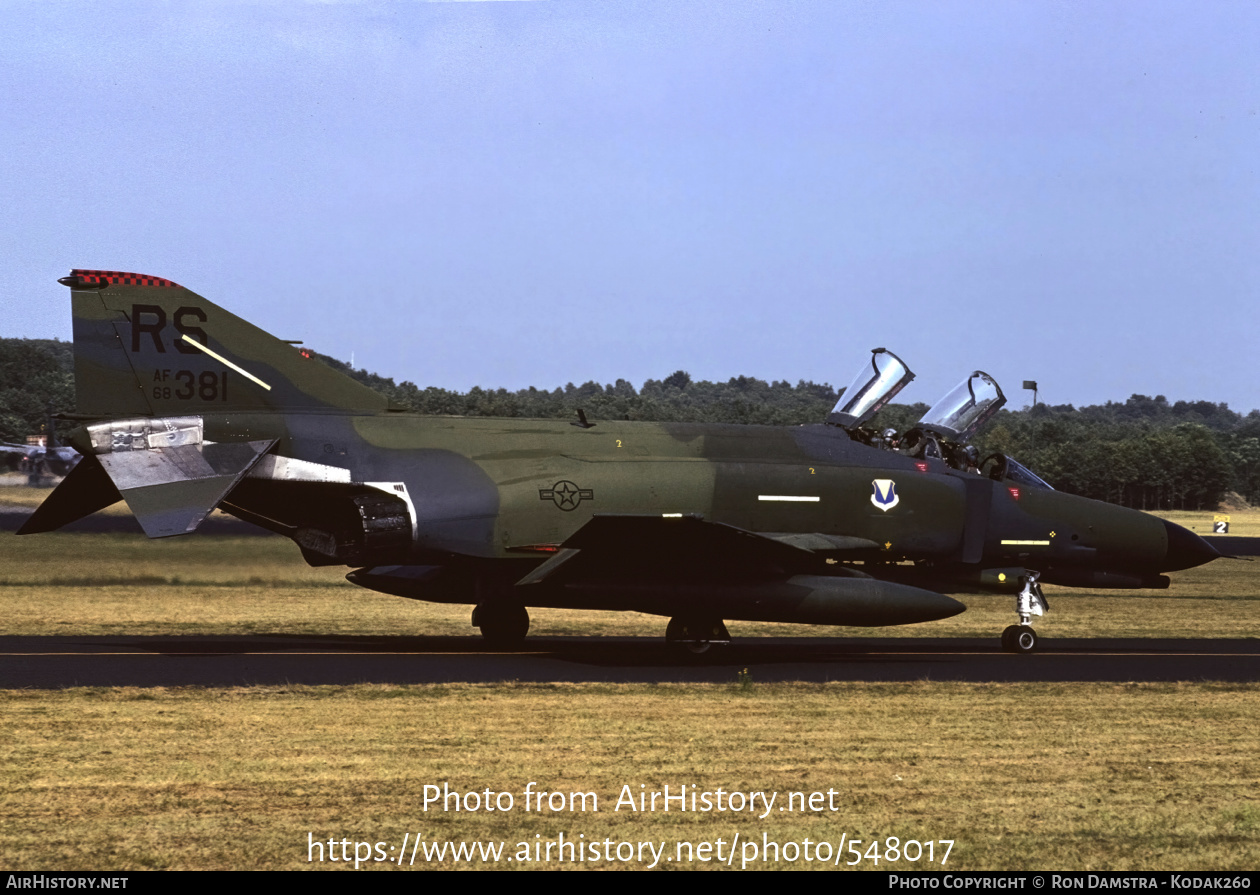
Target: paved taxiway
[(216, 661)]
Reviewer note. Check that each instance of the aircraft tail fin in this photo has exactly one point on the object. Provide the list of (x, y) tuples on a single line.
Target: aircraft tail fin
[(148, 347)]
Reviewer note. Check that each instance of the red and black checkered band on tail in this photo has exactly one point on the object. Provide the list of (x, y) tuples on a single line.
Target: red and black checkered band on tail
[(119, 278)]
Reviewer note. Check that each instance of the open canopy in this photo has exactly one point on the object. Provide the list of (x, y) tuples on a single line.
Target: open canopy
[(970, 405), (875, 384)]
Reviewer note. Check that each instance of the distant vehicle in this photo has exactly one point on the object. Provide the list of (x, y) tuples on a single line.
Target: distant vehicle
[(12, 456), (37, 461), (187, 408)]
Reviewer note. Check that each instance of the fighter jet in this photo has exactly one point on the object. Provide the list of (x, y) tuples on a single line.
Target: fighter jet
[(13, 456), (38, 460), (184, 408)]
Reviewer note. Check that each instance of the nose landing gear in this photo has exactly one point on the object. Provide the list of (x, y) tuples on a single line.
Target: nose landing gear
[(1029, 601)]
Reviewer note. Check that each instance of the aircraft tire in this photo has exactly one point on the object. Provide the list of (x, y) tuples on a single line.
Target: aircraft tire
[(1025, 641), (503, 626), (1020, 639), (686, 652), (690, 637)]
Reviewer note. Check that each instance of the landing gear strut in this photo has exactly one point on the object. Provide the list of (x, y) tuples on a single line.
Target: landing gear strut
[(695, 636), (1029, 601), (503, 625)]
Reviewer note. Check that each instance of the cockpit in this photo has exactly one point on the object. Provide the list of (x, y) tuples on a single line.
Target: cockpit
[(943, 433), (1000, 467)]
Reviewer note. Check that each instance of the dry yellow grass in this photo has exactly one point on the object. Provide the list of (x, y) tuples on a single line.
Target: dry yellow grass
[(1242, 523), (1019, 776), (16, 494)]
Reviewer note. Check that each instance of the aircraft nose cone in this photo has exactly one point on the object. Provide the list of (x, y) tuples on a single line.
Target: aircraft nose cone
[(1186, 549)]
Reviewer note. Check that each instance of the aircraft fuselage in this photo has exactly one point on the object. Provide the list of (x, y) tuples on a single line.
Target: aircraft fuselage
[(487, 488)]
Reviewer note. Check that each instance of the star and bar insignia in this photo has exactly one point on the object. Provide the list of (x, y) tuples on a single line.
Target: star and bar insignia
[(566, 495)]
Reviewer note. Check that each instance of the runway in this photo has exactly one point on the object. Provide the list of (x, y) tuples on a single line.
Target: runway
[(222, 661)]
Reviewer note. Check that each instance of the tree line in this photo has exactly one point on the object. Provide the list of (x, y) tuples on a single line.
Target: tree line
[(1145, 452)]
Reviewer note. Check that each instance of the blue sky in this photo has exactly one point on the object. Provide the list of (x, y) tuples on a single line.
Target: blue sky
[(532, 193)]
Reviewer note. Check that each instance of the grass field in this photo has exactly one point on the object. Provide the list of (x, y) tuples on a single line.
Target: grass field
[(1019, 776)]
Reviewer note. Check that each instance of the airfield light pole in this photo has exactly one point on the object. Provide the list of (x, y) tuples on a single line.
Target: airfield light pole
[(1031, 385)]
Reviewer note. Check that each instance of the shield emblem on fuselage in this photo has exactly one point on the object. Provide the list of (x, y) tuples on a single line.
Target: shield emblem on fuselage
[(884, 494)]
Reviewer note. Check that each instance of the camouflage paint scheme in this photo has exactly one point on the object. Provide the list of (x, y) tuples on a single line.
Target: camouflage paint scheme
[(188, 407)]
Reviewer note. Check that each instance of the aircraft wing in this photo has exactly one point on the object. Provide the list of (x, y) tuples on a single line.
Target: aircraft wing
[(686, 548), (835, 546), (685, 566)]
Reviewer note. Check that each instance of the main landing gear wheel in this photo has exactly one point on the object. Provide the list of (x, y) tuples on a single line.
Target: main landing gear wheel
[(695, 637), (1019, 639), (503, 625)]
